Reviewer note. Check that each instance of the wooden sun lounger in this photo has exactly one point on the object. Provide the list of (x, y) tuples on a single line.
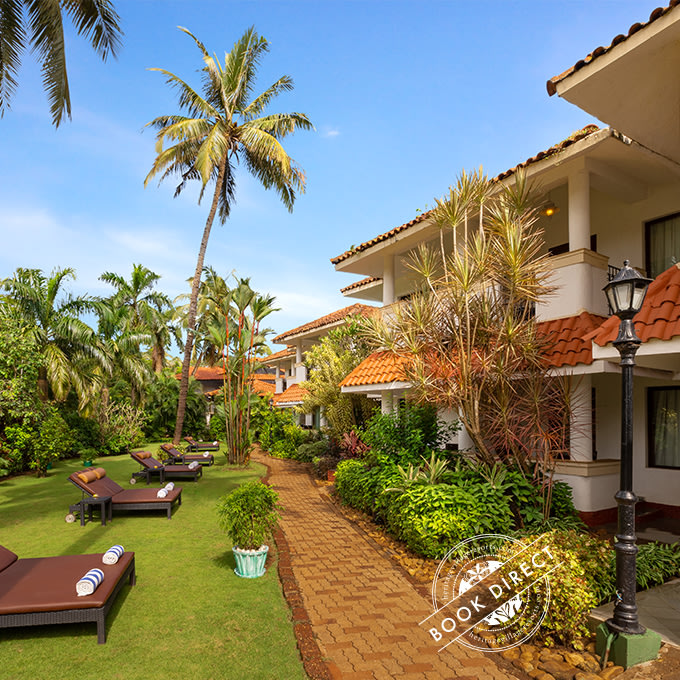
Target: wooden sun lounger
[(150, 466), (94, 483), (42, 591), (193, 445), (177, 457)]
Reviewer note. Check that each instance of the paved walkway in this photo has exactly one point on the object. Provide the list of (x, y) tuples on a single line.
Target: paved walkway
[(362, 609)]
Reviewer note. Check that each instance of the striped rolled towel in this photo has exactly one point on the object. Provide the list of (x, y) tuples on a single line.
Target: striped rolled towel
[(162, 493), (193, 465), (170, 486), (113, 554), (90, 582)]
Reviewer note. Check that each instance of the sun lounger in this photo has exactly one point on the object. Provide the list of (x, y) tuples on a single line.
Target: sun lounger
[(193, 445), (94, 483), (177, 457), (42, 590), (150, 466)]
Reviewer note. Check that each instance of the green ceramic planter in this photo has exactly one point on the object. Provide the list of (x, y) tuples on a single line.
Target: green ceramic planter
[(250, 563)]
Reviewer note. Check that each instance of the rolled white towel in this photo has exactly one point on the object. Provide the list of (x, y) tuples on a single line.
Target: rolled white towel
[(214, 443), (206, 454), (193, 465), (90, 582), (113, 554), (170, 486), (162, 493)]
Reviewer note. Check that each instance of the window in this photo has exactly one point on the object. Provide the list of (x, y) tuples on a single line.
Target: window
[(662, 244), (663, 425)]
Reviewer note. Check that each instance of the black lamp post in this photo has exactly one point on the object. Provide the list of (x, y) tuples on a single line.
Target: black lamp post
[(626, 293)]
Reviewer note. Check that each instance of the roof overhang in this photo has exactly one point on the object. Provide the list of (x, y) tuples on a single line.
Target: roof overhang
[(633, 85), (397, 385)]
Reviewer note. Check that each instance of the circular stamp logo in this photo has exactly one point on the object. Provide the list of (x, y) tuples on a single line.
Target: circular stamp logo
[(490, 592)]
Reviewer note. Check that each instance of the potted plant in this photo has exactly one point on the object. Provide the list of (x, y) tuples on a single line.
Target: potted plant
[(248, 515), (87, 456)]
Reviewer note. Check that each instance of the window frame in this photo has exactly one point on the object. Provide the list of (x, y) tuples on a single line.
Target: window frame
[(650, 427)]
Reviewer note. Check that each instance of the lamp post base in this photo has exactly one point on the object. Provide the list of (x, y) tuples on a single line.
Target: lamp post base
[(628, 650)]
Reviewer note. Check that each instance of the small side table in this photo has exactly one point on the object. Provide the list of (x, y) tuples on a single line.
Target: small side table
[(88, 504)]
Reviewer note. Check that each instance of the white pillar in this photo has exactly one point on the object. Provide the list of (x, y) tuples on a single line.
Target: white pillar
[(579, 210), (278, 380), (388, 280), (300, 368), (581, 419), (386, 402)]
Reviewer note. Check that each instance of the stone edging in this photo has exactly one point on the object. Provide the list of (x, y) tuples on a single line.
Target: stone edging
[(310, 653)]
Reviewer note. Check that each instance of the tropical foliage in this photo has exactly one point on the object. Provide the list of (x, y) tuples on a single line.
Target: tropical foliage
[(39, 26), (222, 127), (329, 361)]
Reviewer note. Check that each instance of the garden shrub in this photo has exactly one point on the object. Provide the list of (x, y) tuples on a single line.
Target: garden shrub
[(54, 440), (656, 564), (583, 579), (120, 427), (308, 451), (279, 434), (407, 433)]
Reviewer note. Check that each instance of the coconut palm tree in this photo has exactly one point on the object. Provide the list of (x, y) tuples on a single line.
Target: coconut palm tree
[(135, 308), (70, 349), (39, 25), (223, 127)]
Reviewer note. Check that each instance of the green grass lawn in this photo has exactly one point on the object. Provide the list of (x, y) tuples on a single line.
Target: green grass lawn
[(189, 616)]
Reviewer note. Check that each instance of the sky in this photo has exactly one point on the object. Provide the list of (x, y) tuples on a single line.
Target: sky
[(403, 95)]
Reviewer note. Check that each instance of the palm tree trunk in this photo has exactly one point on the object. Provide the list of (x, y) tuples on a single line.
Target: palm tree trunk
[(43, 385), (193, 303)]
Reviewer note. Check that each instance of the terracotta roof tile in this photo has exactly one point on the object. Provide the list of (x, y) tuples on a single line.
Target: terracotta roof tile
[(282, 354), (551, 85), (204, 373), (566, 336), (359, 284), (333, 317), (377, 369), (555, 149), (263, 387), (293, 395), (659, 318)]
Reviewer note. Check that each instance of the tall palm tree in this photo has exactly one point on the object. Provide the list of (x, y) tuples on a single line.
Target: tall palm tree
[(69, 347), (38, 24), (223, 127)]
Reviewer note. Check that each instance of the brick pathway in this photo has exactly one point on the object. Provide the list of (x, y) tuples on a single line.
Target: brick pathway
[(362, 609)]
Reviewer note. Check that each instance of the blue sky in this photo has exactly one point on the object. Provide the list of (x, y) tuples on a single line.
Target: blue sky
[(403, 95)]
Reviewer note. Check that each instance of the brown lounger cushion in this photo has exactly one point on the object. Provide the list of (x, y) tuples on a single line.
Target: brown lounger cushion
[(145, 496), (49, 583), (7, 557)]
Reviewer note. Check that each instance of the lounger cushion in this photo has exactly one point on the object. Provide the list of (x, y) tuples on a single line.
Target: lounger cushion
[(7, 557), (49, 583), (144, 496)]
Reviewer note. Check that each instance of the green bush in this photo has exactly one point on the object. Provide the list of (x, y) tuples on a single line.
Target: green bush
[(54, 440), (656, 564), (310, 450), (279, 434), (248, 514), (406, 434)]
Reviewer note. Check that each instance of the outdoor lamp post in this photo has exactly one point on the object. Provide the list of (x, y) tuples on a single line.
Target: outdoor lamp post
[(626, 293)]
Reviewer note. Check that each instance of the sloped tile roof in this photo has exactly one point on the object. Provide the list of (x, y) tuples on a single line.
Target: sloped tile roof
[(566, 337), (333, 317), (359, 284), (659, 318), (204, 373), (553, 150), (281, 354), (551, 85), (293, 395), (377, 369), (263, 387)]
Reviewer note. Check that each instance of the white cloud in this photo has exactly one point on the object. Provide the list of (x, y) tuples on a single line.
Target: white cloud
[(328, 131)]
